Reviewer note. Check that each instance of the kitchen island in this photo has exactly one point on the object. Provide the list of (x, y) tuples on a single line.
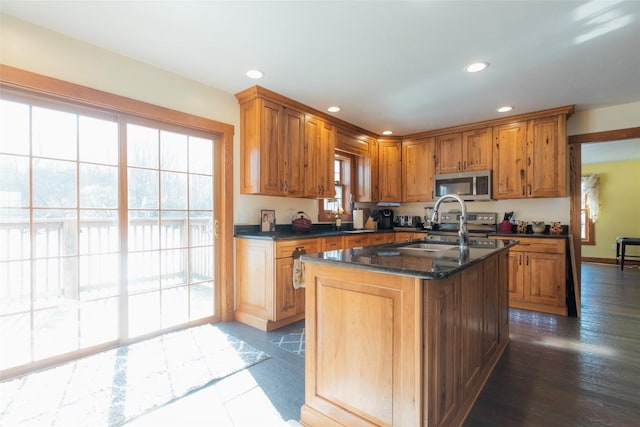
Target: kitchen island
[(403, 334)]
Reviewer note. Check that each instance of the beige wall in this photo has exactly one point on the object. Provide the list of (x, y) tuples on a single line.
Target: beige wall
[(42, 51), (619, 206)]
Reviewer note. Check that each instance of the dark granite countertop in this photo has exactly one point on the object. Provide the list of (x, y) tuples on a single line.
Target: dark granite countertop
[(286, 233), (516, 236), (401, 259)]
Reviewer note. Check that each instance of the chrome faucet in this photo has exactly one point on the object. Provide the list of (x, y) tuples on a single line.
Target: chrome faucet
[(463, 233)]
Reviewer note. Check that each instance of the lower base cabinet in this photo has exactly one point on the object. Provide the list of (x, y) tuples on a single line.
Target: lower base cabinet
[(537, 275), (265, 296)]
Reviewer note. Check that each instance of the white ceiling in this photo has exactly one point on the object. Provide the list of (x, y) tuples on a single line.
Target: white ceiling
[(389, 64)]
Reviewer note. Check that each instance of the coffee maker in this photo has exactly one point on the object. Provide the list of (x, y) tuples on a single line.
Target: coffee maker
[(385, 219)]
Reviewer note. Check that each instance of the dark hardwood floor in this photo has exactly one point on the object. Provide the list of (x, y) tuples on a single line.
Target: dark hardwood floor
[(565, 371), (557, 371)]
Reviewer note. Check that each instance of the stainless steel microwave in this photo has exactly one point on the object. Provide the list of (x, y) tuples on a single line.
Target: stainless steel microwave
[(468, 185)]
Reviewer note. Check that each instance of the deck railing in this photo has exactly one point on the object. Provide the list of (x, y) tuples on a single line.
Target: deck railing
[(87, 267)]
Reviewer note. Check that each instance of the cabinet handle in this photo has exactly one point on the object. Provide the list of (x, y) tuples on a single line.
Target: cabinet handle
[(458, 165), (464, 165), (528, 161), (216, 227), (529, 189), (519, 259), (527, 259)]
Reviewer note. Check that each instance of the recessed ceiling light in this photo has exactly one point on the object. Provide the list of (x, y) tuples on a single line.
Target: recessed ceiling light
[(333, 109), (476, 66), (254, 74), (387, 132), (505, 109)]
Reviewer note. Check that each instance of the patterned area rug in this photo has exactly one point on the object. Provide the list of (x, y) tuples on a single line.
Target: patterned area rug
[(292, 342), (112, 387)]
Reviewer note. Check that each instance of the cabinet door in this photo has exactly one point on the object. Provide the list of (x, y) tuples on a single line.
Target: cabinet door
[(325, 154), (271, 156), (442, 346), (546, 158), (311, 141), (503, 267), (477, 150), (509, 156), (491, 309), (285, 293), (418, 168), (545, 281), (449, 153), (471, 303), (516, 275), (293, 151), (364, 184), (389, 171), (255, 278)]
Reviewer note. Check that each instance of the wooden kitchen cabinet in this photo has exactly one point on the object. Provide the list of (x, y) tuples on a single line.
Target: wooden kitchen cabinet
[(320, 144), (464, 151), (547, 157), (529, 158), (537, 275), (266, 298), (449, 153), (389, 171), (418, 169), (272, 147)]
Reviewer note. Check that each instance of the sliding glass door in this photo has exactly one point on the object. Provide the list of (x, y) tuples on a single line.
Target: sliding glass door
[(106, 230)]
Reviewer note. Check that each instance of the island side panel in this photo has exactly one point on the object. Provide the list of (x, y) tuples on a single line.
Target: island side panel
[(363, 354)]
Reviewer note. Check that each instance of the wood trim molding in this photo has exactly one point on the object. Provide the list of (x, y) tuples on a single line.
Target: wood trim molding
[(15, 78), (566, 111), (609, 135), (575, 172)]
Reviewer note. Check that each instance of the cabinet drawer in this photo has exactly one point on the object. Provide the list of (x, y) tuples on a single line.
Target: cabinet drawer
[(330, 243), (381, 238), (545, 245), (285, 248), (357, 240)]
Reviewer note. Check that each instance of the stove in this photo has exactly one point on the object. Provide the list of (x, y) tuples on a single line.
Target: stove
[(479, 224)]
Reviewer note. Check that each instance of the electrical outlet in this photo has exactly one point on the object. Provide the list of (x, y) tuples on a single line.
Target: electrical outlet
[(613, 246)]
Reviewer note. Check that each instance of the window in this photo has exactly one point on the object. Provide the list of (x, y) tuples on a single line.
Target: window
[(589, 208), (87, 260), (343, 179)]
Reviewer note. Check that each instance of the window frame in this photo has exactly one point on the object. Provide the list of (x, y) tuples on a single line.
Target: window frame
[(347, 170)]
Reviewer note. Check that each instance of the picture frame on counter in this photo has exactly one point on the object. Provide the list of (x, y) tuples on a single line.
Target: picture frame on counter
[(267, 220)]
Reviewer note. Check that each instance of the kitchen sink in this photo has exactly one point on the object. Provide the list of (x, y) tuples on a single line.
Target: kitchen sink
[(357, 231)]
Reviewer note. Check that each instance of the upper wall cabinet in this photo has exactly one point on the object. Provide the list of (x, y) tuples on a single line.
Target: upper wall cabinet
[(389, 171), (272, 148), (464, 151), (530, 158), (418, 168), (320, 137)]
